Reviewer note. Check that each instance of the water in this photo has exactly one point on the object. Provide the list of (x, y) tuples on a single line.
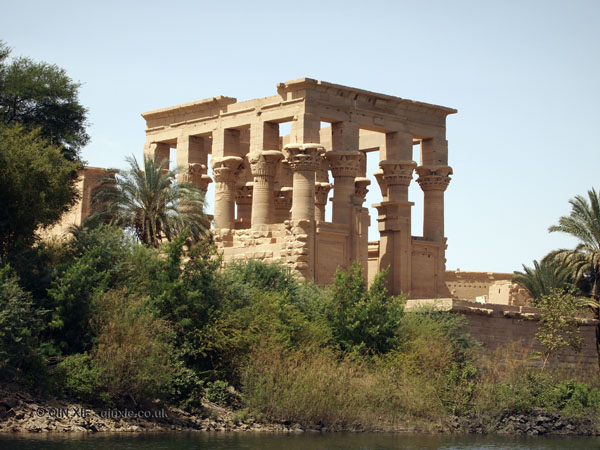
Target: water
[(316, 441)]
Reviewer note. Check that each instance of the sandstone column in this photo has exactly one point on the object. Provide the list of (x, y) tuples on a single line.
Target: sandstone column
[(360, 223), (263, 165), (321, 193), (225, 170), (434, 180), (304, 159), (344, 167), (243, 199), (394, 218), (192, 160), (158, 151), (283, 204)]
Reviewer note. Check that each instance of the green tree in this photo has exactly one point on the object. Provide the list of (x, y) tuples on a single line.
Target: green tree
[(364, 319), (583, 223), (36, 185), (543, 277), (558, 326), (38, 94), (97, 263), (151, 204), (19, 329)]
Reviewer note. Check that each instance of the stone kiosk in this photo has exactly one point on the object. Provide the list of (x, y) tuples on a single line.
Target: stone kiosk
[(271, 190)]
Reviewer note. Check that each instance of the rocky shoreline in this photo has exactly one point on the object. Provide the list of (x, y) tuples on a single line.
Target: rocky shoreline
[(21, 412)]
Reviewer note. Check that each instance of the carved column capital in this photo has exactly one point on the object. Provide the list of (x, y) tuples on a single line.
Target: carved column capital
[(283, 198), (322, 175), (243, 194), (344, 164), (304, 156), (321, 193), (434, 178), (397, 172), (264, 163), (360, 189), (378, 174), (227, 168)]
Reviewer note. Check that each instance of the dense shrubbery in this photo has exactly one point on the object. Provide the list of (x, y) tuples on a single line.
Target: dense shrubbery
[(130, 324)]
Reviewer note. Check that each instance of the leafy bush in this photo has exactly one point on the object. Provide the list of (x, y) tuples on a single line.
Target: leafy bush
[(79, 377), (19, 329), (363, 320), (217, 393), (133, 353), (96, 266)]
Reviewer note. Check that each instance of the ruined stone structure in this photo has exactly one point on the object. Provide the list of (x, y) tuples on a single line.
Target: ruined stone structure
[(89, 178), (272, 190)]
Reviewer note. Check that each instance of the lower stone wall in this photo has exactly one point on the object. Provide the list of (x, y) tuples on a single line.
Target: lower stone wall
[(287, 242), (512, 328)]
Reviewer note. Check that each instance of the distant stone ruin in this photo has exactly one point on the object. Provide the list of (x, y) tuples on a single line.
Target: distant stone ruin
[(272, 189)]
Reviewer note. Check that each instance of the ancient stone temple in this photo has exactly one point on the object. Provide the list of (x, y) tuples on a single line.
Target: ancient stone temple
[(272, 189)]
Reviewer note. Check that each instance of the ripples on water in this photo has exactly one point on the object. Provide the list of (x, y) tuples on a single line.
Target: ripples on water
[(317, 441)]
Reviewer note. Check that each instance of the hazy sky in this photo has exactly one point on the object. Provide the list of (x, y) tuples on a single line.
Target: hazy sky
[(524, 76)]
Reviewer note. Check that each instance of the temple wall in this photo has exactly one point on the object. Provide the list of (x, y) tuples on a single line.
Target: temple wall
[(89, 179), (505, 328)]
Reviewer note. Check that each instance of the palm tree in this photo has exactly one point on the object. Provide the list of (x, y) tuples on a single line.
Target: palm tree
[(151, 204), (584, 224), (543, 278)]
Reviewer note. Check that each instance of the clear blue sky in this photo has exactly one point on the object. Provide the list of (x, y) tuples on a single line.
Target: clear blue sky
[(524, 76)]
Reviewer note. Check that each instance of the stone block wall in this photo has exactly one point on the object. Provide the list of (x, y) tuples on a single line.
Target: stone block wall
[(506, 327)]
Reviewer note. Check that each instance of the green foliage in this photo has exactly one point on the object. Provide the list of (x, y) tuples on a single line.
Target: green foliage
[(583, 223), (558, 326), (363, 320), (217, 393), (544, 277), (36, 185), (38, 94), (151, 204), (524, 390), (19, 329), (79, 377), (133, 353), (95, 265)]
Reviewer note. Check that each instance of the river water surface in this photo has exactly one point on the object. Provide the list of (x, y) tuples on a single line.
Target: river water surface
[(316, 441)]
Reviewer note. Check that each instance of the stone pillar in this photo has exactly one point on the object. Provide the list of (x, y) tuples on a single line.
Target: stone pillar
[(263, 165), (395, 249), (225, 170), (397, 176), (304, 160), (243, 199), (196, 175), (344, 167), (158, 151), (360, 223), (283, 204), (192, 160), (321, 193), (434, 180)]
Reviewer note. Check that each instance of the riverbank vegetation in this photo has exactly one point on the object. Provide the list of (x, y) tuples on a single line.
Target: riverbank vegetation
[(106, 320)]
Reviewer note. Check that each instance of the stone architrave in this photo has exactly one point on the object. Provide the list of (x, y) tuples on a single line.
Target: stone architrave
[(345, 166), (321, 193), (433, 181), (263, 165), (225, 170), (304, 160), (243, 199)]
